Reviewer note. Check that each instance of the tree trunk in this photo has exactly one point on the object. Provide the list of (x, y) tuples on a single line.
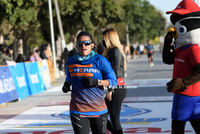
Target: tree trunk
[(15, 53), (95, 32)]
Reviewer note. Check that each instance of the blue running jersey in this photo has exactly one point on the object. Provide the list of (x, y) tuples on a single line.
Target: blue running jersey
[(84, 100)]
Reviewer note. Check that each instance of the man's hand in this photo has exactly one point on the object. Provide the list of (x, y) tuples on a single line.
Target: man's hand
[(89, 82), (66, 87)]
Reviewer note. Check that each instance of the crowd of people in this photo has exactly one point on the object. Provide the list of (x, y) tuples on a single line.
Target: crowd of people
[(6, 54), (142, 49)]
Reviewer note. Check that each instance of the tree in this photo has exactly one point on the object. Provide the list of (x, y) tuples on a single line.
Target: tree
[(89, 15), (19, 14), (6, 30), (112, 12), (76, 15), (143, 20)]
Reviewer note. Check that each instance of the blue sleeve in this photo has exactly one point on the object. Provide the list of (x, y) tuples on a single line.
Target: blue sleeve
[(108, 72), (68, 76)]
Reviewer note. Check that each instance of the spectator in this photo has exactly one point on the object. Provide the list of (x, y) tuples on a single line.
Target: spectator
[(73, 52), (31, 57), (132, 51), (42, 54), (9, 51), (3, 56), (138, 51), (126, 52), (141, 48), (48, 52), (20, 58), (63, 59), (37, 55)]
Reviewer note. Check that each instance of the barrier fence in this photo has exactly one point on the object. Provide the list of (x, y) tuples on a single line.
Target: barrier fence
[(23, 80)]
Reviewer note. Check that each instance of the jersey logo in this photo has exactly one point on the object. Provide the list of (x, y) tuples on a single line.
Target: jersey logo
[(82, 70)]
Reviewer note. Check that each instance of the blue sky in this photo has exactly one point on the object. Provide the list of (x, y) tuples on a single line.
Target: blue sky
[(165, 5)]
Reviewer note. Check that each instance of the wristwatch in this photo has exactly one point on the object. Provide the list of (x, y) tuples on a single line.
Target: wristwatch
[(99, 82)]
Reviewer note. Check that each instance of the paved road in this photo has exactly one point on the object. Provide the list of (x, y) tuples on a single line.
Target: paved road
[(145, 110), (139, 68), (155, 77)]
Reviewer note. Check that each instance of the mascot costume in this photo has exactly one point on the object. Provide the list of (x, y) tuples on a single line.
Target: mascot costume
[(185, 84)]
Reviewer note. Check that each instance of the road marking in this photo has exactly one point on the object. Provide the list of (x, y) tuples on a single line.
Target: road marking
[(146, 118), (148, 99), (146, 83)]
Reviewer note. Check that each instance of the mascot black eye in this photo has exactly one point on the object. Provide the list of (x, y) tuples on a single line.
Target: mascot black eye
[(182, 29)]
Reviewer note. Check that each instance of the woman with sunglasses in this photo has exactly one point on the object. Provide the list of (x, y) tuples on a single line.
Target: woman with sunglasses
[(114, 53), (88, 72)]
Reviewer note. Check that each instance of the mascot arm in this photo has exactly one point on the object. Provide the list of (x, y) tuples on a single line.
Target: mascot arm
[(183, 83), (167, 56)]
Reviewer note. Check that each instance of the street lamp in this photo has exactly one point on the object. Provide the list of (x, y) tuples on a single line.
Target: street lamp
[(52, 34)]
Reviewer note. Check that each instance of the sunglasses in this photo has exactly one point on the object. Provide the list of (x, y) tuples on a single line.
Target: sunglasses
[(87, 43)]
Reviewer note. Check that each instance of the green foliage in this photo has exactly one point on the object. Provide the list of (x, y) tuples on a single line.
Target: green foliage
[(6, 30), (29, 20), (143, 20), (113, 11), (18, 12)]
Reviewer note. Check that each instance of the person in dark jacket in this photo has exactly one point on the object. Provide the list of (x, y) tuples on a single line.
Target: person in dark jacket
[(114, 53), (74, 51), (63, 59), (20, 58), (3, 56), (42, 49)]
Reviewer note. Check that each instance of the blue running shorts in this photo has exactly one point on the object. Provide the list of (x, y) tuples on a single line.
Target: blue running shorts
[(185, 108)]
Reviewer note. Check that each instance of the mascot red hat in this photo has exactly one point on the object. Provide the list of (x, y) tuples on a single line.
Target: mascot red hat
[(185, 7), (186, 19), (182, 49)]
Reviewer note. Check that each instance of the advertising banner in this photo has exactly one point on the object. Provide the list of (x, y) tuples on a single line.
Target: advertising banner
[(35, 81), (20, 79), (8, 90), (44, 71), (51, 70)]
